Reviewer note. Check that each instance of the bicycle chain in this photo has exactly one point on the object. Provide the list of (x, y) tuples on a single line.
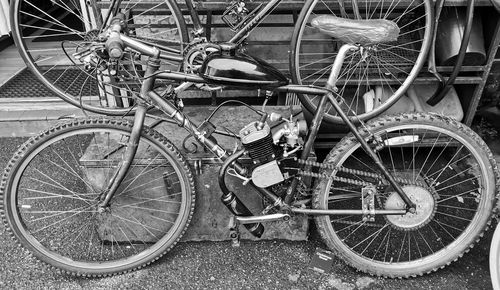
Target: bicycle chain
[(351, 181), (356, 172)]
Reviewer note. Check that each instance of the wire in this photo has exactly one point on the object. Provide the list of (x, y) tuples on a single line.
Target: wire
[(232, 101)]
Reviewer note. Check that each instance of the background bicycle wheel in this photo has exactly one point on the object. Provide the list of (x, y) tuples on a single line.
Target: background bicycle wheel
[(49, 33)]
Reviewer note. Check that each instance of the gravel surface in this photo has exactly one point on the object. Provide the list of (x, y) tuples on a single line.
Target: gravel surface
[(216, 265)]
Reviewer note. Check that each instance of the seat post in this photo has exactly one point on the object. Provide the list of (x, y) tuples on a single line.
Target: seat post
[(331, 84)]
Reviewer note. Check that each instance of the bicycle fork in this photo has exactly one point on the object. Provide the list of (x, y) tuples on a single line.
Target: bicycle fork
[(133, 141)]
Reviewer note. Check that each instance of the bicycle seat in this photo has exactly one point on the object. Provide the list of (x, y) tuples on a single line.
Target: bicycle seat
[(363, 32)]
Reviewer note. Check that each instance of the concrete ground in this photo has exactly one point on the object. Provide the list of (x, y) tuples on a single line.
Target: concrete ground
[(216, 265)]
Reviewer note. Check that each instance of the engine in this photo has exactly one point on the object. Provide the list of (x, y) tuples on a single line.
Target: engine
[(268, 150)]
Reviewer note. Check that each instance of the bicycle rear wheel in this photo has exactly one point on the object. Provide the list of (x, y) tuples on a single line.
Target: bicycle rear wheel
[(379, 73), (52, 186), (443, 167), (49, 33)]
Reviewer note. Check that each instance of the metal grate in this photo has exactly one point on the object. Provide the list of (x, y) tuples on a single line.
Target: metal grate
[(25, 85)]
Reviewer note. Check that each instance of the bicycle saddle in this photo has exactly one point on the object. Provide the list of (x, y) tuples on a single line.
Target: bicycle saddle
[(363, 32)]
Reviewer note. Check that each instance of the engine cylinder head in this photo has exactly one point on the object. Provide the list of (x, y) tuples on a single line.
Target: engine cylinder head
[(258, 142)]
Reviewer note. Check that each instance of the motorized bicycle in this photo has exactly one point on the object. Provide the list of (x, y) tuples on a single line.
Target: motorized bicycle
[(399, 196)]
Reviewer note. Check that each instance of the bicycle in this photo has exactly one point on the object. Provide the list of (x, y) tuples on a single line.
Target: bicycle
[(110, 87), (401, 196)]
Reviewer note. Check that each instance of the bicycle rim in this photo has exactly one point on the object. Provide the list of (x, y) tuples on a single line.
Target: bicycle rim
[(55, 184), (442, 166), (373, 78), (49, 34)]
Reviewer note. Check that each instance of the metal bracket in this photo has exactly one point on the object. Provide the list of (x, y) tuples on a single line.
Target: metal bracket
[(234, 231), (368, 203), (198, 166)]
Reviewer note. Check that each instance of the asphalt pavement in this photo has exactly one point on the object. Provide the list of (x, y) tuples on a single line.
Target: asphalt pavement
[(216, 265)]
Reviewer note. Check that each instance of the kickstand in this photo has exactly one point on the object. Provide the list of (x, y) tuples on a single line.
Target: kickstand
[(234, 231)]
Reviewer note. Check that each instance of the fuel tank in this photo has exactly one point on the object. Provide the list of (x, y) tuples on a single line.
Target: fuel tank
[(241, 70)]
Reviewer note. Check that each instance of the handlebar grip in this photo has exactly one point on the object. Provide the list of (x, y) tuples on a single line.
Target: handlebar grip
[(114, 45)]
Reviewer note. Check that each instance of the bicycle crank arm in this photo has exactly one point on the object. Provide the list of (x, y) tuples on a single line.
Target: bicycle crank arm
[(263, 218), (348, 211)]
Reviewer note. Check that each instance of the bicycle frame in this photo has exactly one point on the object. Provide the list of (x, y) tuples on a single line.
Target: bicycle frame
[(257, 19), (148, 95), (198, 30)]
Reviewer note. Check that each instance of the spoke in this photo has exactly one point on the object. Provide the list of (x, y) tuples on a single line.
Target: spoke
[(400, 56), (425, 240), (429, 154), (399, 46), (60, 185), (459, 208), (145, 200), (46, 28), (143, 172), (457, 195), (71, 169), (47, 36), (323, 70), (438, 238), (148, 209), (76, 230), (67, 8), (456, 184), (406, 10), (75, 213), (163, 219), (370, 236), (387, 245), (442, 225), (327, 6), (145, 227), (53, 195), (381, 244), (383, 62), (402, 246), (450, 163), (125, 235), (390, 155), (391, 9), (360, 224), (317, 61), (458, 174), (48, 15), (453, 216)]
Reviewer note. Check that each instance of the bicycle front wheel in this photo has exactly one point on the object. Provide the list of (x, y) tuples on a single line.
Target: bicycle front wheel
[(441, 165), (50, 35), (54, 182), (375, 76)]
